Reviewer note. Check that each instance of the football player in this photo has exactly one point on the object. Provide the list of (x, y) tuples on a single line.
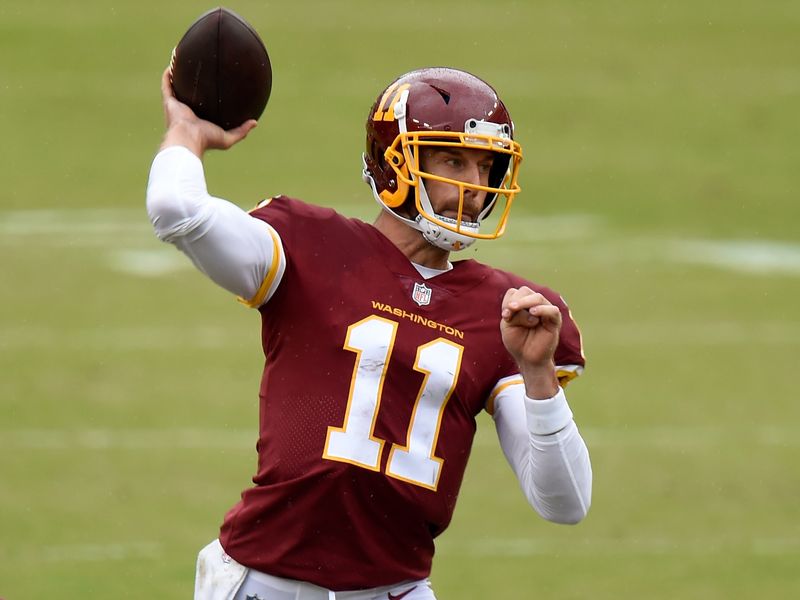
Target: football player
[(380, 348)]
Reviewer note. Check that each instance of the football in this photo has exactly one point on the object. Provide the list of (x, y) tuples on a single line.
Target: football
[(221, 70)]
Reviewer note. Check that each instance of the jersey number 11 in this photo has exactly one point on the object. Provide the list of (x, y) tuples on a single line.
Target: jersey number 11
[(372, 339)]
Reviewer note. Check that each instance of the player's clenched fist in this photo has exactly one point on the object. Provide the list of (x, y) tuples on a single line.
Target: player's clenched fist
[(529, 325)]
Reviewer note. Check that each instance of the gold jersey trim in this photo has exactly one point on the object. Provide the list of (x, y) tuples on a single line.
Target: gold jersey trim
[(567, 374), (564, 374), (515, 380), (263, 290)]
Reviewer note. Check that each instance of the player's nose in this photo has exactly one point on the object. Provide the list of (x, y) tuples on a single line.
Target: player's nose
[(473, 174)]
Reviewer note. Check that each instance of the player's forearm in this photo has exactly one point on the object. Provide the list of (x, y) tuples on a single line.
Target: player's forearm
[(560, 487), (221, 239), (544, 448)]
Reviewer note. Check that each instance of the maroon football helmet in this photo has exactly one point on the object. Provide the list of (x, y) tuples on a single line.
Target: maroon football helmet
[(439, 107)]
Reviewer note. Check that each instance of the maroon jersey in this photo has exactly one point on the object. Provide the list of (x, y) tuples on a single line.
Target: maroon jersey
[(372, 381)]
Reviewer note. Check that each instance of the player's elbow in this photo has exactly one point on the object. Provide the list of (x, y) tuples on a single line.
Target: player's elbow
[(569, 517), (163, 208), (563, 511), (173, 211)]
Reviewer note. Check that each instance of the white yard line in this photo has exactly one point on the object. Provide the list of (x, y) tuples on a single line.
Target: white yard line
[(590, 237), (100, 552), (73, 222), (148, 263), (21, 551), (757, 257), (596, 240)]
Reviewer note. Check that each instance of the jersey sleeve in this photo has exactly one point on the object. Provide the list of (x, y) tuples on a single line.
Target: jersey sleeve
[(569, 356), (294, 223), (273, 276)]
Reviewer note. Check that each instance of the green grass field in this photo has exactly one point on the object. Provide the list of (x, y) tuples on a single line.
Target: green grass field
[(661, 163)]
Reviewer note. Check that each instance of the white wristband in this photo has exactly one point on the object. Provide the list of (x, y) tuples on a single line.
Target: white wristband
[(549, 416)]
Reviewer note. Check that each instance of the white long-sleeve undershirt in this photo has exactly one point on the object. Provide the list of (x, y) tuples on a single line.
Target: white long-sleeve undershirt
[(538, 437), (547, 453)]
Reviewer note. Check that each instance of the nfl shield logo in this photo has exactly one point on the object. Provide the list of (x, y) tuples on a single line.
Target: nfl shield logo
[(421, 294)]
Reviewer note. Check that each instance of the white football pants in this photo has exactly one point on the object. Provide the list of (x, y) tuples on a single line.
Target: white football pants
[(219, 577)]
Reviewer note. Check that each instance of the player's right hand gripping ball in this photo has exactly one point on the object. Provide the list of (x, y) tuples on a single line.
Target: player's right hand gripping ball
[(221, 69)]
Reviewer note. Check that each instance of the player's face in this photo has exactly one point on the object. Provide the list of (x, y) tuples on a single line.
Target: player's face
[(467, 165)]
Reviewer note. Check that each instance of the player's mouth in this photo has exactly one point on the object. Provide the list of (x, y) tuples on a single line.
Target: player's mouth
[(453, 214)]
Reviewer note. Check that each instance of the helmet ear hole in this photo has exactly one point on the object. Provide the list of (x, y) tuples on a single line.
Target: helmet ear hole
[(394, 158), (398, 191), (373, 150)]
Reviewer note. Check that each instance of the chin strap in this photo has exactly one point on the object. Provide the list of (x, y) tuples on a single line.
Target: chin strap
[(444, 238)]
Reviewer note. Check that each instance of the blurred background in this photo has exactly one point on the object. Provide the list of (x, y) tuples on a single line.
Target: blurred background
[(660, 198)]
